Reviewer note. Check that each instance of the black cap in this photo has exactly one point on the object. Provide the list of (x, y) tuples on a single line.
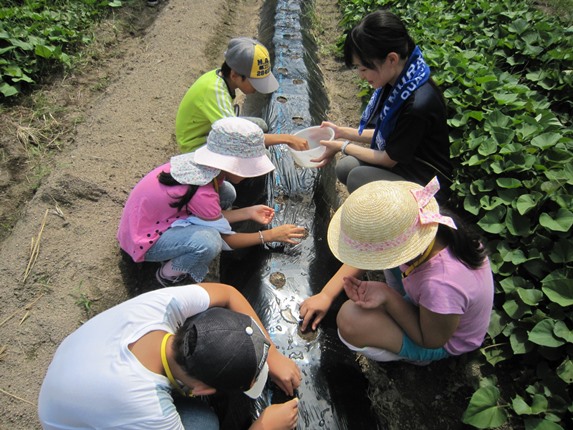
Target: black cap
[(230, 351)]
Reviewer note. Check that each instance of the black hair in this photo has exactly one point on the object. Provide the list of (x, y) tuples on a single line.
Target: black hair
[(465, 243), (226, 71), (180, 201), (184, 343), (373, 38)]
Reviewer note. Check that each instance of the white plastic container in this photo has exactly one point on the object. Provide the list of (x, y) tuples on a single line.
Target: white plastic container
[(313, 136)]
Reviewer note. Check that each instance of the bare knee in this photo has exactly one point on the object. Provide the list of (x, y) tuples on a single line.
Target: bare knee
[(348, 322)]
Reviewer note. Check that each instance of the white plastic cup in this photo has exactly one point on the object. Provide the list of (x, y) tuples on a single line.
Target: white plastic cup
[(313, 136)]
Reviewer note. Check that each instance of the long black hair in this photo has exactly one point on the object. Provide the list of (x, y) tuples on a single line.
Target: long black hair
[(378, 34), (465, 243), (179, 201)]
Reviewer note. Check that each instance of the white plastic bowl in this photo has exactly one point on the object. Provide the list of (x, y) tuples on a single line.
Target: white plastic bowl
[(313, 136)]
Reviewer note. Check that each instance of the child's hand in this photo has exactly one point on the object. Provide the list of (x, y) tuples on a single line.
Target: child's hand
[(298, 143), (283, 416), (284, 372), (262, 214), (366, 294), (286, 233), (314, 309)]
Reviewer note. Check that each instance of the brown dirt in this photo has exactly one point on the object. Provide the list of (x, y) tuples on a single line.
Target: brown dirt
[(110, 123)]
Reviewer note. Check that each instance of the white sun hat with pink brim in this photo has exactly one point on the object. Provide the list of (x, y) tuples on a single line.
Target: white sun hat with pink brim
[(235, 145)]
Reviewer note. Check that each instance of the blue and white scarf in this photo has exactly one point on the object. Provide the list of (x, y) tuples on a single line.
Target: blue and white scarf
[(415, 74)]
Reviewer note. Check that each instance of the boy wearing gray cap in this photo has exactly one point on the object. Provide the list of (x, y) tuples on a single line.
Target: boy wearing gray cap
[(247, 67), (120, 369)]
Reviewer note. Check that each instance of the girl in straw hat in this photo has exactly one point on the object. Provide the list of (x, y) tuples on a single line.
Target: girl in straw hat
[(438, 295), (174, 214), (405, 122)]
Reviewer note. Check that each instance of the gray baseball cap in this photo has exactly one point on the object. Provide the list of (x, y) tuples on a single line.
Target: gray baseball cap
[(250, 58)]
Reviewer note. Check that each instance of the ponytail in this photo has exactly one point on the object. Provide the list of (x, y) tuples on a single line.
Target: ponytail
[(180, 201), (465, 243)]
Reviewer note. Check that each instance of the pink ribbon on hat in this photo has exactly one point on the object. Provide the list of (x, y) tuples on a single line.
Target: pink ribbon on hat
[(423, 197)]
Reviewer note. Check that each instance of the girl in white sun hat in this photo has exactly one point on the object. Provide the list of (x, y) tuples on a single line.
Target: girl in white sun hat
[(175, 215), (438, 295)]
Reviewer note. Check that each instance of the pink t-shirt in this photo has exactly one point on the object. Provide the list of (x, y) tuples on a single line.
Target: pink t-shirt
[(147, 213), (444, 285)]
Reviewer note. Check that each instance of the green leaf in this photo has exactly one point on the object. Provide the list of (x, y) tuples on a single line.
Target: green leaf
[(497, 119), (527, 128), (483, 411), (6, 49), (542, 334), (530, 297), (538, 405), (25, 46), (8, 90), (562, 331), (497, 323), (512, 283), (526, 202), (565, 371), (541, 424), (492, 221), (519, 343), (520, 406), (486, 78), (562, 252), (472, 204), (44, 51), (517, 225), (502, 135), (558, 287), (497, 355), (508, 182), (546, 140), (564, 175), (518, 26), (488, 203), (562, 222), (505, 98), (488, 147)]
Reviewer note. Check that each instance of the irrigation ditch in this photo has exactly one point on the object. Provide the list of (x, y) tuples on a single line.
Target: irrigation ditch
[(277, 279)]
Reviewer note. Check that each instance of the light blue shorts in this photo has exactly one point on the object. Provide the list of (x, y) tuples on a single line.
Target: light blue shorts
[(411, 351)]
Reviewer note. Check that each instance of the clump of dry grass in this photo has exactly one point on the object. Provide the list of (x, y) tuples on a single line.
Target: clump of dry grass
[(40, 138)]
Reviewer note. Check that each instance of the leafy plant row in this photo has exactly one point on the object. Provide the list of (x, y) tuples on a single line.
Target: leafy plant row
[(38, 37), (506, 70)]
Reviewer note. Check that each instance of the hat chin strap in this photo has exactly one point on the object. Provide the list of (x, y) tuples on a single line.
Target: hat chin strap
[(420, 260), (168, 369)]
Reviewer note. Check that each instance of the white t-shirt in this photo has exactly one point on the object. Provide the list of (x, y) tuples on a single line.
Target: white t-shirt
[(94, 381)]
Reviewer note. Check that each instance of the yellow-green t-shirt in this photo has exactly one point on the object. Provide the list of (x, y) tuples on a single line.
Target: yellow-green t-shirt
[(205, 102)]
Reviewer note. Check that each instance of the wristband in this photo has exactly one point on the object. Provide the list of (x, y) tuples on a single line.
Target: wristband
[(344, 145), (262, 238)]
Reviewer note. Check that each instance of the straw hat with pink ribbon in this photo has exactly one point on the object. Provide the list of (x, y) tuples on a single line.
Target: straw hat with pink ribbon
[(384, 224)]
